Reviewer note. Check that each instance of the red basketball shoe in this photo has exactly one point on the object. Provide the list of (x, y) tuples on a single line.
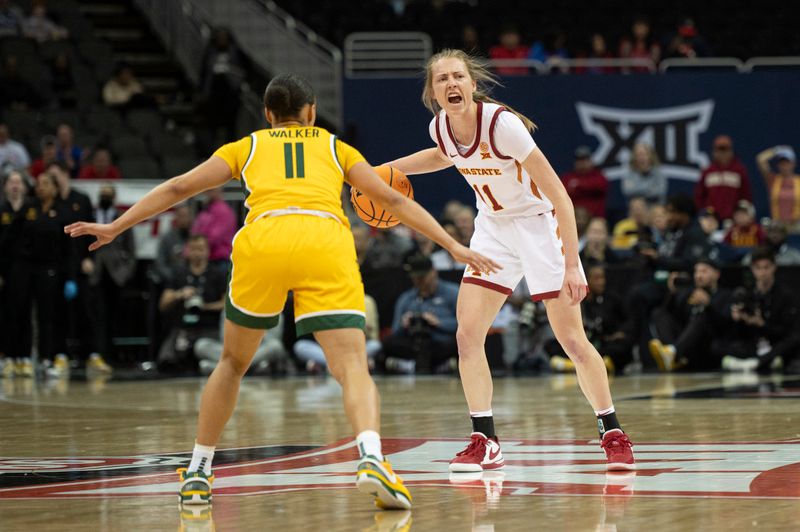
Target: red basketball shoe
[(617, 446), (481, 454)]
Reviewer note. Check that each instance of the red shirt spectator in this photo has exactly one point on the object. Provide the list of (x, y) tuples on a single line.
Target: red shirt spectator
[(640, 45), (724, 182), (586, 185), (101, 167), (49, 156), (509, 48), (745, 232)]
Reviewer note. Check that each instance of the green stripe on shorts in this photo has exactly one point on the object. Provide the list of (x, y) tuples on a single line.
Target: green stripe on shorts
[(246, 320), (328, 322)]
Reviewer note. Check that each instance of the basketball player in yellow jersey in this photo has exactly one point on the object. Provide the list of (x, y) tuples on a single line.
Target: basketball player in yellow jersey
[(297, 238)]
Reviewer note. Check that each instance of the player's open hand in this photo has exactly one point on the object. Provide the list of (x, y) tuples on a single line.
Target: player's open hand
[(103, 232), (574, 285), (475, 260)]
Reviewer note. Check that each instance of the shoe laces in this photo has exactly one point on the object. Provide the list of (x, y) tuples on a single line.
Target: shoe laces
[(616, 442), (477, 446)]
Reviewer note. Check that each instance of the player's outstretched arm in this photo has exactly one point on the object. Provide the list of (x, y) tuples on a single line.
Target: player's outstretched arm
[(363, 177), (538, 167), (212, 173), (422, 162)]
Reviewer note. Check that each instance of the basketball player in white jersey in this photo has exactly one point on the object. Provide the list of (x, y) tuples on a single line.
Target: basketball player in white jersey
[(526, 223)]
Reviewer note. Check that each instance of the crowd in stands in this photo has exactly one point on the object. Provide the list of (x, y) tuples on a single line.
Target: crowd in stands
[(659, 298), (517, 29)]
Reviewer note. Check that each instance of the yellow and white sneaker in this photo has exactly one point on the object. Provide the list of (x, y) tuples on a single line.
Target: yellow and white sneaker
[(664, 355), (60, 367), (561, 364), (195, 487), (24, 367), (96, 364), (378, 479), (9, 368)]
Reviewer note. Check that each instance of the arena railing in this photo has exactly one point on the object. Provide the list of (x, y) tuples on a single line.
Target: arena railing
[(767, 62), (274, 40), (701, 63), (385, 54)]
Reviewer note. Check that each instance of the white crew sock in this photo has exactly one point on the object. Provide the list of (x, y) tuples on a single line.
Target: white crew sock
[(369, 442), (481, 413), (201, 458)]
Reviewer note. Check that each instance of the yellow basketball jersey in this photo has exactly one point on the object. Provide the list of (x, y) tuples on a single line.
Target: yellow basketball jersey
[(291, 167)]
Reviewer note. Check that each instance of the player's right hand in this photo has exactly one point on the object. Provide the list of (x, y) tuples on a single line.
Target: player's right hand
[(474, 259)]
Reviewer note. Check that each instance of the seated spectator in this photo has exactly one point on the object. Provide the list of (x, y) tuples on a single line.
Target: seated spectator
[(449, 211), (596, 250), (551, 48), (423, 337), (471, 41), (16, 92), (640, 45), (270, 356), (783, 186), (49, 156), (644, 177), (745, 231), (785, 254), (40, 28), (193, 302), (11, 19), (464, 220), (724, 182), (67, 152), (659, 222), (582, 219), (13, 154), (709, 223), (510, 47), (62, 81), (604, 321), (114, 267), (765, 335), (171, 246), (101, 167), (586, 184), (308, 351), (381, 248), (628, 231), (597, 50), (123, 90), (218, 223), (686, 42), (693, 322), (683, 243)]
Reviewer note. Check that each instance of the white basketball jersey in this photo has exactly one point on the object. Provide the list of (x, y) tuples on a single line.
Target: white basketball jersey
[(502, 186)]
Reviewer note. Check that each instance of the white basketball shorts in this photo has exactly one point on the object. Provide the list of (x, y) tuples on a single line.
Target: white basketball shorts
[(527, 246)]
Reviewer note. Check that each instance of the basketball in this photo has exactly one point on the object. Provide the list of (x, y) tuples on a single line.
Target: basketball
[(372, 212)]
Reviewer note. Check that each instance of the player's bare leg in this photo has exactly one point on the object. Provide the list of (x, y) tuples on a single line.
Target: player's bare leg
[(567, 324), (346, 353), (216, 406), (476, 309)]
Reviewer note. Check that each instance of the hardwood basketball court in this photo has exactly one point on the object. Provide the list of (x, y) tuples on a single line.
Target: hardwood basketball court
[(714, 453)]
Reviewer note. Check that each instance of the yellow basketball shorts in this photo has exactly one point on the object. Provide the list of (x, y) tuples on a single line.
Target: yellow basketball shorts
[(312, 256)]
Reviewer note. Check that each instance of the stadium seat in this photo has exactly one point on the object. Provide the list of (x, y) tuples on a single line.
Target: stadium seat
[(128, 146), (139, 168), (145, 121), (177, 165), (170, 146), (52, 119), (103, 120)]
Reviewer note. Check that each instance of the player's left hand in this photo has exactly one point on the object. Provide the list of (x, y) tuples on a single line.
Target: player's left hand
[(103, 232), (574, 284)]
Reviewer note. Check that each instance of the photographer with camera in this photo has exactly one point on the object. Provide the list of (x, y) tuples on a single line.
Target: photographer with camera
[(192, 302), (423, 335), (765, 334), (690, 327)]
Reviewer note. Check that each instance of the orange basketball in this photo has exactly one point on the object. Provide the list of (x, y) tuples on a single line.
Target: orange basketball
[(371, 211)]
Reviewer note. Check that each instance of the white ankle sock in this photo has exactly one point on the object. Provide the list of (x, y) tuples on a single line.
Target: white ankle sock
[(605, 412), (201, 458), (369, 442)]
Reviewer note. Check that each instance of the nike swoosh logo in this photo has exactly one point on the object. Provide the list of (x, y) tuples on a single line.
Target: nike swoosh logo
[(492, 455), (453, 155)]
